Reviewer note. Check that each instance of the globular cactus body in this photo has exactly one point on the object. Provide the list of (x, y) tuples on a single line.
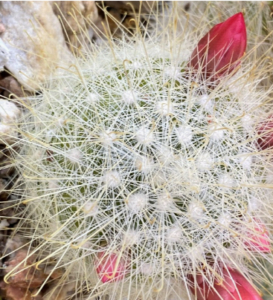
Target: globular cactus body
[(129, 156)]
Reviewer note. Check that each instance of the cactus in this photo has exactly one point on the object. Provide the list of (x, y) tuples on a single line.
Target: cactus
[(137, 175)]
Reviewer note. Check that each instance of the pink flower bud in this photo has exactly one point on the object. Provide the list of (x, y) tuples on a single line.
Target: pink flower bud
[(265, 132), (111, 267), (233, 287), (259, 241), (221, 49)]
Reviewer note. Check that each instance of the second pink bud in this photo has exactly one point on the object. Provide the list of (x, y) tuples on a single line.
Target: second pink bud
[(111, 267)]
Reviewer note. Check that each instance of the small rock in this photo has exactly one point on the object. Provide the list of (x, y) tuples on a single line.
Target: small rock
[(4, 52), (2, 27), (35, 41), (9, 112), (7, 136)]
